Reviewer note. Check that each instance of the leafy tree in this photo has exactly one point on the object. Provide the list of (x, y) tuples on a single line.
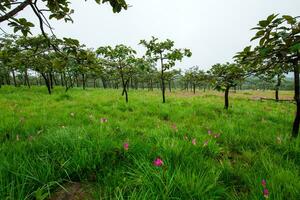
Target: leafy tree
[(55, 9), (165, 53), (226, 76), (279, 46), (121, 59)]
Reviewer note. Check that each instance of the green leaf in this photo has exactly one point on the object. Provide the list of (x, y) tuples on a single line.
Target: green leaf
[(289, 19), (264, 23), (295, 47)]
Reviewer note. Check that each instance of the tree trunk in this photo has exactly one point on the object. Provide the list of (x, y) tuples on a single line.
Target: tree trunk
[(47, 82), (162, 79), (226, 98), (83, 81), (51, 80), (26, 78), (14, 78), (62, 79), (194, 88), (277, 88), (297, 99), (170, 89)]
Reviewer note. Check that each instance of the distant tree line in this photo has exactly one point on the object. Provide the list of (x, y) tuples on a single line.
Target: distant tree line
[(49, 61)]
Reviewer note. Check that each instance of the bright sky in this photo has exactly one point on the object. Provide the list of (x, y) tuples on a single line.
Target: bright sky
[(213, 29)]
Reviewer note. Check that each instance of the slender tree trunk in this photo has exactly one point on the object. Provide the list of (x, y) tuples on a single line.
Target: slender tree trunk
[(124, 84), (83, 81), (162, 79), (194, 88), (47, 82), (62, 79), (94, 83), (277, 88), (295, 131), (14, 78), (226, 98), (26, 78)]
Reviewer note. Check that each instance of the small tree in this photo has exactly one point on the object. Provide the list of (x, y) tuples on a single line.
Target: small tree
[(226, 76), (279, 46), (121, 59), (166, 54)]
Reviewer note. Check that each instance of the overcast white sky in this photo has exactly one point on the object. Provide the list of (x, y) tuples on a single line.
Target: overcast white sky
[(213, 29)]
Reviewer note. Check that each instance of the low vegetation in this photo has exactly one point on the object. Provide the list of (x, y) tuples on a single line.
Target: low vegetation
[(89, 143)]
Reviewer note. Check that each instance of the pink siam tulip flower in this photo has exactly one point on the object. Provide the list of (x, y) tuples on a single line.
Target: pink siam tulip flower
[(209, 132), (158, 162), (103, 120), (264, 183), (126, 146), (266, 193), (174, 127), (194, 141)]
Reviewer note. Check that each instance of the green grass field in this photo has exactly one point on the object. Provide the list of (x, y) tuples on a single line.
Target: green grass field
[(54, 143)]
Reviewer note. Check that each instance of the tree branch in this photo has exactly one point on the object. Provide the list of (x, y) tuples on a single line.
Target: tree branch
[(13, 12)]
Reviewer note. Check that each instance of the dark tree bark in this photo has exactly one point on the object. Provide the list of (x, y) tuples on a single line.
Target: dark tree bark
[(83, 81), (26, 78), (14, 11), (194, 88), (124, 85), (277, 88), (163, 88), (47, 82), (14, 78), (62, 79), (295, 131), (51, 79), (226, 98)]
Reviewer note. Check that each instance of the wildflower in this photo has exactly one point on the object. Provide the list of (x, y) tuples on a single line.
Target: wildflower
[(266, 193), (103, 120), (158, 162), (264, 183), (217, 135), (209, 132), (205, 143), (194, 141), (72, 114), (126, 146), (174, 127)]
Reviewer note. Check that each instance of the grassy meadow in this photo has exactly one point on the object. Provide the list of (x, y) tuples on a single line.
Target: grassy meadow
[(71, 145)]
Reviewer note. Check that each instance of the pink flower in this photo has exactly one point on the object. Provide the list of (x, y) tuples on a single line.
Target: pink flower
[(205, 143), (194, 141), (103, 120), (158, 162), (266, 193), (209, 132), (264, 183), (126, 146), (174, 127)]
